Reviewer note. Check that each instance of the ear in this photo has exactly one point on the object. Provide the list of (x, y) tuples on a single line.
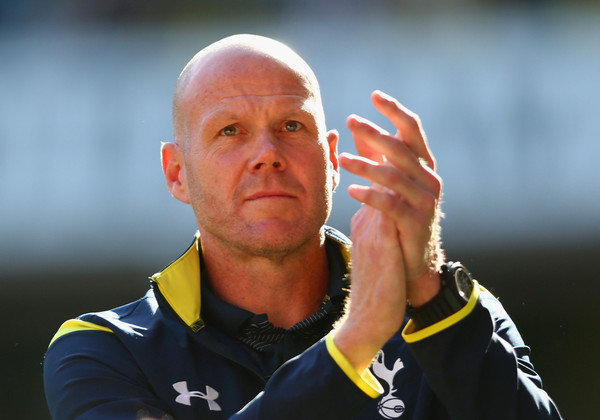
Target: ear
[(332, 138), (173, 168)]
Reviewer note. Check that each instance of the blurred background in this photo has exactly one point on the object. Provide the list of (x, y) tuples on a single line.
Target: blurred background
[(509, 93)]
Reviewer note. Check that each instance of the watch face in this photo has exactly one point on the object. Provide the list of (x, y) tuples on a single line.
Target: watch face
[(464, 284)]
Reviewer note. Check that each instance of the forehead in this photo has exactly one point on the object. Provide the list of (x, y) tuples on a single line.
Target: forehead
[(243, 106), (231, 75)]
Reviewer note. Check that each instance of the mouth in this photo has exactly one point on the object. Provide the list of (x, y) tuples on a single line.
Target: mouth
[(261, 195)]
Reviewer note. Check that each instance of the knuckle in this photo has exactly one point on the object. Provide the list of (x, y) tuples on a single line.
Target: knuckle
[(428, 203), (437, 183), (387, 201), (413, 120), (393, 176), (434, 182)]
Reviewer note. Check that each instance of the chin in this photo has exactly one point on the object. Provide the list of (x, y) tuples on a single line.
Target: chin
[(276, 237)]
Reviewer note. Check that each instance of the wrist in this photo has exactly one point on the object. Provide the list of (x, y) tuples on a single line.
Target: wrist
[(423, 288), (358, 345), (456, 287)]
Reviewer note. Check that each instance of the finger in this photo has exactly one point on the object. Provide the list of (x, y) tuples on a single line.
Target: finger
[(408, 124), (411, 225), (392, 179), (389, 204), (348, 162), (376, 142), (382, 177), (396, 206), (368, 218), (364, 147)]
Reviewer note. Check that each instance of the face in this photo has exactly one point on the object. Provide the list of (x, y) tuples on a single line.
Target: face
[(258, 167)]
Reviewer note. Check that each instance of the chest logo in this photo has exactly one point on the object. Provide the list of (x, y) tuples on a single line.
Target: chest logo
[(389, 406), (185, 396)]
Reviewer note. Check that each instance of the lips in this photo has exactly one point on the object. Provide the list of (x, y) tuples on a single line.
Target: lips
[(269, 194)]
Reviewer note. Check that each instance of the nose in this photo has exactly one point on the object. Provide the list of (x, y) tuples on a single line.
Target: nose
[(266, 153)]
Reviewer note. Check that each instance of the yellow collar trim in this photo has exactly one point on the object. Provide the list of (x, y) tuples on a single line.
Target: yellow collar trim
[(179, 284)]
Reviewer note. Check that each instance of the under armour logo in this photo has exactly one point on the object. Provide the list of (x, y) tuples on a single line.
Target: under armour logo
[(390, 406), (185, 396)]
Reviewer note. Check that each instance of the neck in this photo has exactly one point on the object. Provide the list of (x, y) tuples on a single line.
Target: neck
[(285, 288)]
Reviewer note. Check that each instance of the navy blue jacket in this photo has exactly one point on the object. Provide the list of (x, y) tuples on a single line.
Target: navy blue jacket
[(156, 359)]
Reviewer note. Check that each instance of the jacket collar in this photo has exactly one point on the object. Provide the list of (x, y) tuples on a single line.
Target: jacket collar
[(179, 283)]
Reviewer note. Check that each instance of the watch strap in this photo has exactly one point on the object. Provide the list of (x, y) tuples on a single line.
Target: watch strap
[(446, 303)]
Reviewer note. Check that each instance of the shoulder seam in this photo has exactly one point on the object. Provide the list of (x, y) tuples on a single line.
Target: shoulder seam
[(73, 325)]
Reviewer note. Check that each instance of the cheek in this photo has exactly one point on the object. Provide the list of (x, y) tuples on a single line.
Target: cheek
[(316, 169), (199, 176), (212, 176)]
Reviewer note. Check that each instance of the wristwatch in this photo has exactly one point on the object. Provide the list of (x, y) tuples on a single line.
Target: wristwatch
[(456, 288)]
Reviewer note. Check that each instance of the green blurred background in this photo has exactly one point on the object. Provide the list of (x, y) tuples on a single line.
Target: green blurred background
[(509, 93)]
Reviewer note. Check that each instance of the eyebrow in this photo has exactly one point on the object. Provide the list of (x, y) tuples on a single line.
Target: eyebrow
[(305, 108)]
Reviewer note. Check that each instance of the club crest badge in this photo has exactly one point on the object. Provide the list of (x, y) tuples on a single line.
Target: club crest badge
[(390, 406)]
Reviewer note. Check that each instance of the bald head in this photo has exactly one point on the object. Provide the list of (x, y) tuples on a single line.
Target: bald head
[(241, 59)]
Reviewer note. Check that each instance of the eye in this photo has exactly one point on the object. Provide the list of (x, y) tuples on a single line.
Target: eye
[(292, 126), (230, 130)]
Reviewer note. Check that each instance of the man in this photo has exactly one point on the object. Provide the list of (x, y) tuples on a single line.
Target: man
[(242, 324)]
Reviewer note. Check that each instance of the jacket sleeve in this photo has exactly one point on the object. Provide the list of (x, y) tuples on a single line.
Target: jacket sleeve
[(89, 375), (478, 365), (319, 383)]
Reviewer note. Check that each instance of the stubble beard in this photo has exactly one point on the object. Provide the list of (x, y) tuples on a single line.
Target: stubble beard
[(256, 239), (252, 240)]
